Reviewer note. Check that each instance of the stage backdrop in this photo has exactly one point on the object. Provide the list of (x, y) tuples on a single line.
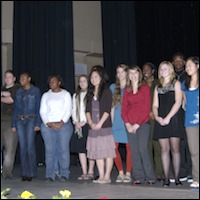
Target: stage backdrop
[(43, 41)]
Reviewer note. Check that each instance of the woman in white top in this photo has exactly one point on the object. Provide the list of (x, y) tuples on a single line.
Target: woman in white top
[(56, 129), (79, 138)]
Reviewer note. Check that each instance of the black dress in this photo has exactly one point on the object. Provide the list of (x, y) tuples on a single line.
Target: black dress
[(175, 128), (78, 145)]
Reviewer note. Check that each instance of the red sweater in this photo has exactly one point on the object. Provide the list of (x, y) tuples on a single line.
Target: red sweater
[(136, 107)]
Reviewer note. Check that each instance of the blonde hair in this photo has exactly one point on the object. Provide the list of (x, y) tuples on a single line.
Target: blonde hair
[(171, 70)]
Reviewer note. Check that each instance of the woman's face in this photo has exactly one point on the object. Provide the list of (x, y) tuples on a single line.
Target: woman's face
[(83, 83), (147, 71), (121, 74), (133, 75), (54, 83), (164, 71), (95, 79), (191, 68)]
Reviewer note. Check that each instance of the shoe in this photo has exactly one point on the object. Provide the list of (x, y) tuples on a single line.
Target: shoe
[(195, 184), (172, 180), (183, 178), (136, 182), (63, 179), (151, 182), (166, 183), (83, 177), (49, 179), (120, 178), (127, 179), (23, 178), (178, 183), (29, 178), (189, 179), (104, 181), (90, 176)]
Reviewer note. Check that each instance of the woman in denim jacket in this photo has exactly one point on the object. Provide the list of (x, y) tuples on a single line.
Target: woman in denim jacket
[(26, 121)]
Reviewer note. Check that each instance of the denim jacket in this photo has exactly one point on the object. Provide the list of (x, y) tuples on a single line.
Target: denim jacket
[(27, 102)]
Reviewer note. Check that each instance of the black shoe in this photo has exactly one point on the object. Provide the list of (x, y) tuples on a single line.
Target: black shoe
[(49, 179), (63, 179), (23, 178), (29, 178), (178, 183), (166, 183)]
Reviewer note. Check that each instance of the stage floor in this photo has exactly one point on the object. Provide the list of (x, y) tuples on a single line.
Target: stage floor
[(89, 190)]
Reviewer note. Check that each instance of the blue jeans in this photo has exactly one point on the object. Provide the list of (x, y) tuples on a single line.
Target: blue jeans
[(26, 137), (59, 139)]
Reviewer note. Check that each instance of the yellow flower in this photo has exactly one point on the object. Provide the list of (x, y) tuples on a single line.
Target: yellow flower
[(26, 195), (65, 193)]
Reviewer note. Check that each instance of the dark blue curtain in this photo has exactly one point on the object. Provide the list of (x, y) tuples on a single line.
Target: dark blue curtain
[(165, 27), (43, 41), (118, 30), (139, 31)]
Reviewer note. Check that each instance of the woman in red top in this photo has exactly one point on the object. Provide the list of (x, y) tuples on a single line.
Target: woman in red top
[(136, 106)]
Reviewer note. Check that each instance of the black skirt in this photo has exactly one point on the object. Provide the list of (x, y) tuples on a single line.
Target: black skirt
[(78, 145)]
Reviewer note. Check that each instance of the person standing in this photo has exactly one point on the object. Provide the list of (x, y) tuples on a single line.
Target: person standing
[(136, 107), (26, 121), (118, 127), (56, 129), (168, 125), (79, 138), (178, 61), (190, 87), (9, 140), (100, 141), (148, 70)]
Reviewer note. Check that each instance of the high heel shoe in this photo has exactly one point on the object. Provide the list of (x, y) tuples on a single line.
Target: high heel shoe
[(166, 183), (178, 183)]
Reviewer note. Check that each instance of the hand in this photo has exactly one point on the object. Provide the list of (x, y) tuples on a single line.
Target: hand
[(36, 128), (5, 94), (13, 129), (166, 121)]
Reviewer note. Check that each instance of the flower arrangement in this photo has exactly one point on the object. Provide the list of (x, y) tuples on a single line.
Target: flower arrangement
[(4, 193), (27, 195), (65, 194)]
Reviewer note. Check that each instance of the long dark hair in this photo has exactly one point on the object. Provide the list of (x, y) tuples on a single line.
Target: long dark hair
[(104, 81), (195, 60)]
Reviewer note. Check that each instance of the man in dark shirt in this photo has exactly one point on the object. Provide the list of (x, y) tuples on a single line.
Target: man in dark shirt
[(9, 139)]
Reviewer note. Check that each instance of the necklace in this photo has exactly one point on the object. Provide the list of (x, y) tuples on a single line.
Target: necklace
[(179, 75)]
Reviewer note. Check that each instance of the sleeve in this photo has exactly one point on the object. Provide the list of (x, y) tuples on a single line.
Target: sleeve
[(74, 108), (106, 101), (67, 107), (43, 109), (14, 114), (124, 109), (38, 99)]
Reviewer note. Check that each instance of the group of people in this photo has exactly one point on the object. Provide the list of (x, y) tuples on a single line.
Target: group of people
[(155, 117)]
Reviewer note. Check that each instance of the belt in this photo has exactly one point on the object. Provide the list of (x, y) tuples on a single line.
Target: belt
[(23, 117)]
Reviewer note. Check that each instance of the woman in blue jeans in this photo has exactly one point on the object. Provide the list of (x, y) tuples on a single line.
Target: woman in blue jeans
[(56, 129), (26, 121)]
